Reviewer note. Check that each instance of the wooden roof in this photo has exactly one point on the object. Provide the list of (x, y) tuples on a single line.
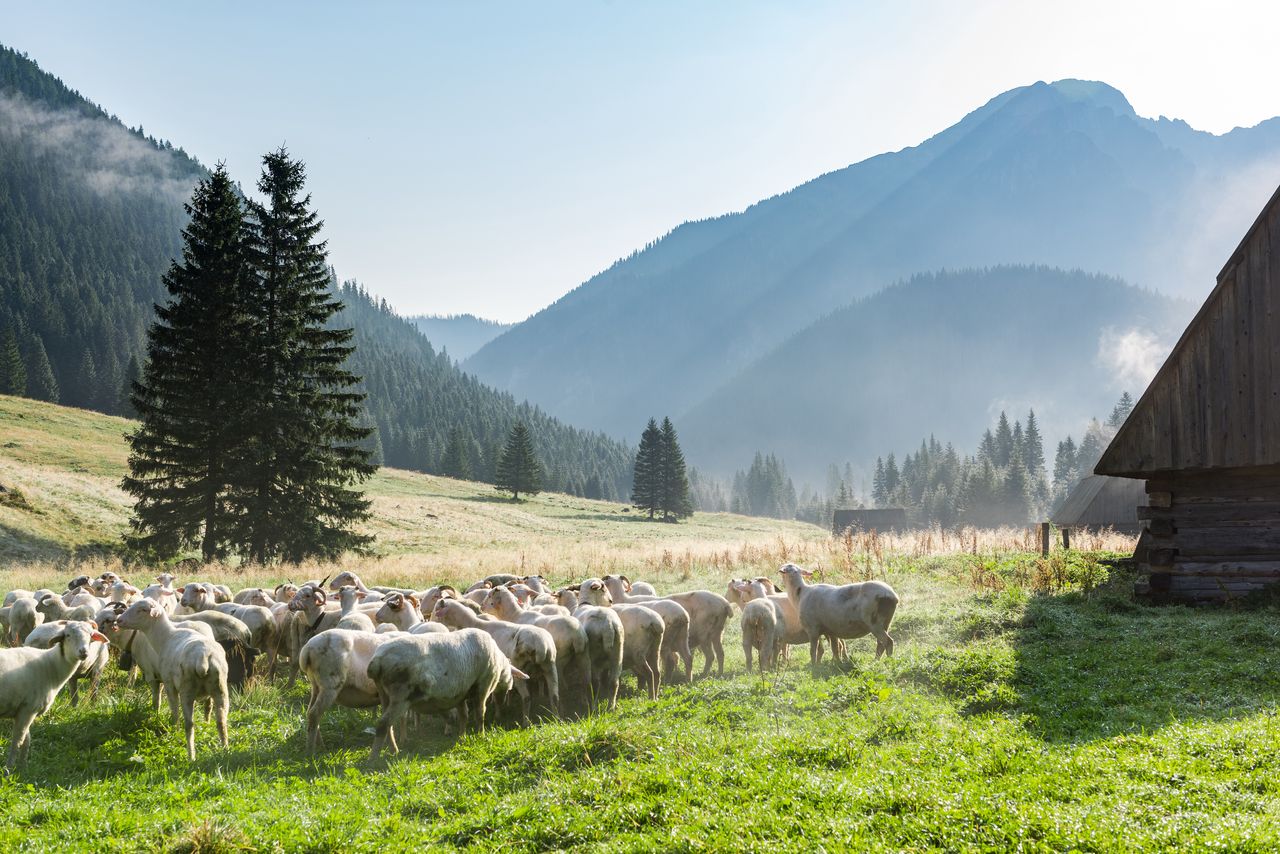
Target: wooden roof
[(1215, 403), (1101, 502)]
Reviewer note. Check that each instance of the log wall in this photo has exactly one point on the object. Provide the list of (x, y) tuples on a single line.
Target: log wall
[(1212, 536)]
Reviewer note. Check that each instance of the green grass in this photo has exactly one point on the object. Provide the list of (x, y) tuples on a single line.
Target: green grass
[(1007, 719)]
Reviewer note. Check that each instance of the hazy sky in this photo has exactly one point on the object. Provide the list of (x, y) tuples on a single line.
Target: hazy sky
[(489, 157)]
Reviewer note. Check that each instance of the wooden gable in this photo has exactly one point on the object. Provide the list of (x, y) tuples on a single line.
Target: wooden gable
[(1215, 404)]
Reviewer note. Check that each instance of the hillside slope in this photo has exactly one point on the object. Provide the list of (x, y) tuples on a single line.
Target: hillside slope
[(459, 334), (939, 353), (59, 468), (1065, 175)]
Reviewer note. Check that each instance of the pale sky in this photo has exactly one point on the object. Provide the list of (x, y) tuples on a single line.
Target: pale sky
[(489, 157)]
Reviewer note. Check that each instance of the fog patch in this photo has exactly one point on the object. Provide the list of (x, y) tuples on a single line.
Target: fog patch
[(1131, 356), (107, 158)]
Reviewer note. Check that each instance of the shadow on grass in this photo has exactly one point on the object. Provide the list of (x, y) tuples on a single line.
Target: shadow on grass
[(1093, 668)]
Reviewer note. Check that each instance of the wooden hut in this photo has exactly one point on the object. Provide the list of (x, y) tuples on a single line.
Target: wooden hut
[(875, 519), (1099, 502), (1206, 436)]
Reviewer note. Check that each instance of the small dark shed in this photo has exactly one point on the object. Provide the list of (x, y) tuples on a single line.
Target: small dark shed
[(1099, 502), (879, 519), (1206, 436)]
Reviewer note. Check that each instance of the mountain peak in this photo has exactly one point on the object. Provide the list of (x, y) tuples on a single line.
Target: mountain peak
[(1094, 92)]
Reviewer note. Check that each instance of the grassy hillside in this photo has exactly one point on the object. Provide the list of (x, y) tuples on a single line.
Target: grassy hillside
[(62, 466)]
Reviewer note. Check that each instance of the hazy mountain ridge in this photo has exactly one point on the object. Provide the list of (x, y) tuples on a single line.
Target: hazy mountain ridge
[(878, 375), (1063, 174), (458, 334)]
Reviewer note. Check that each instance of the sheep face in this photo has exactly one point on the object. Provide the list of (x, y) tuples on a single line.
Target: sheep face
[(344, 579), (140, 615), (77, 639), (194, 596), (165, 579)]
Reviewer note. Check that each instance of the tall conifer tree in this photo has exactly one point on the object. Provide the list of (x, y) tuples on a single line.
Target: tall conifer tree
[(457, 459), (182, 455), (518, 467), (646, 483), (41, 382), (13, 372), (303, 405), (674, 480)]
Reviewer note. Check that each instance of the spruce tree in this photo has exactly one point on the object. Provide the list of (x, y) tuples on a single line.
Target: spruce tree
[(1003, 442), (675, 501), (646, 482), (13, 372), (518, 467), (182, 456), (457, 461), (302, 404), (1033, 445), (41, 382), (1121, 411)]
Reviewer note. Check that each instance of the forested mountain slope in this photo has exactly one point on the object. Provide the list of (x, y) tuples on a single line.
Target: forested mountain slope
[(90, 216), (459, 334), (1063, 174)]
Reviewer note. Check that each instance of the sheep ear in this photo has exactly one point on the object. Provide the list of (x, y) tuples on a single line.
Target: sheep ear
[(518, 673), (99, 637), (412, 599)]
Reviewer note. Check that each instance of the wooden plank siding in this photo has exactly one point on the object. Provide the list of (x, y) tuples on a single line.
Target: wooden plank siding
[(1216, 401)]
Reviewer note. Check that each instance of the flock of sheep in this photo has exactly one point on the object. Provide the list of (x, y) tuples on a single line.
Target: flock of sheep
[(442, 651)]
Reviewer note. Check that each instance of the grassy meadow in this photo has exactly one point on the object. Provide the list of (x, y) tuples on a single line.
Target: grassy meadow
[(1030, 704)]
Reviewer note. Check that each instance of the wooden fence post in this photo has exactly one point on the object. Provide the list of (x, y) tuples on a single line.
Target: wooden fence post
[(1066, 539), (1044, 538)]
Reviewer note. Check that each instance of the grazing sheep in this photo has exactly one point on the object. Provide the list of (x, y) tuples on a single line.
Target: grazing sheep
[(530, 648), (24, 615), (399, 610), (643, 631), (346, 577), (162, 591), (259, 596), (53, 608), (46, 635), (844, 611), (639, 588), (760, 632), (134, 649), (708, 614), (790, 631), (31, 678), (675, 628), (437, 673), (233, 636), (311, 615), (336, 663), (351, 619), (499, 579), (260, 621), (192, 667), (573, 660)]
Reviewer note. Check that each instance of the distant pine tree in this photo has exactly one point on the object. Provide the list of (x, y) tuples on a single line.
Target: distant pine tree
[(675, 502), (1003, 442), (42, 384), (183, 454), (13, 371), (646, 482), (1033, 445), (302, 405), (518, 467), (1121, 411), (133, 375), (457, 462)]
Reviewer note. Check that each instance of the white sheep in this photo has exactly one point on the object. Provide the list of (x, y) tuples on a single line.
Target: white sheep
[(843, 611), (573, 658), (400, 612), (708, 614), (134, 649), (31, 678), (437, 673), (192, 667), (336, 663), (638, 588), (642, 632), (530, 648), (24, 615), (47, 634), (351, 619), (54, 608), (760, 632)]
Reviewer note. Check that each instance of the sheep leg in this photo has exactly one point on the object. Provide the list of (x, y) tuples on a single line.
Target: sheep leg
[(189, 724), (884, 643), (171, 694), (21, 738), (747, 646), (815, 649), (222, 707), (208, 708), (393, 709), (155, 696), (553, 690), (321, 700), (718, 646), (522, 692), (709, 652)]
